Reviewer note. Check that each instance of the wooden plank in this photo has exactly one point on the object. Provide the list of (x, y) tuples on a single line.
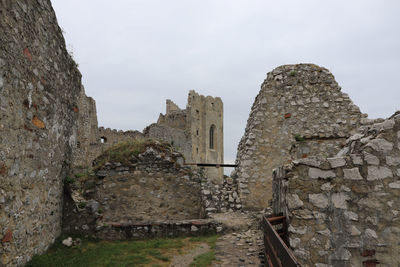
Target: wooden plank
[(276, 248)]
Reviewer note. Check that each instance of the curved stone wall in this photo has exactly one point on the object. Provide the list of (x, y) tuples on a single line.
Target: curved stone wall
[(300, 111)]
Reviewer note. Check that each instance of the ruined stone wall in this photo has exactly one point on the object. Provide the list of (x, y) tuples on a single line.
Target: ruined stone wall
[(299, 112), (39, 90), (150, 187), (345, 210), (87, 146), (205, 112), (189, 131), (174, 136)]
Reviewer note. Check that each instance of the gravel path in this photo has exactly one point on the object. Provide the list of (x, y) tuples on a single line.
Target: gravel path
[(239, 249), (186, 259)]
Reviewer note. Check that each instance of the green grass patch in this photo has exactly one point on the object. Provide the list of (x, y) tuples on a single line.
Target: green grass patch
[(209, 239), (204, 259), (153, 252), (126, 152)]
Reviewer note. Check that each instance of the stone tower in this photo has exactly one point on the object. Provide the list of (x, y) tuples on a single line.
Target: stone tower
[(205, 122), (196, 131)]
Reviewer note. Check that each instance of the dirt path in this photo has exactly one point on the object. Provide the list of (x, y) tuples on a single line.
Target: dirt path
[(186, 259), (240, 247)]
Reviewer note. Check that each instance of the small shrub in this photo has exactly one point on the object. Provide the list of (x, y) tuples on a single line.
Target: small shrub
[(82, 204), (299, 138), (69, 180), (292, 73)]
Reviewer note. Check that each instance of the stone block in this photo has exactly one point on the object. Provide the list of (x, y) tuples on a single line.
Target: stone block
[(392, 161), (319, 200), (294, 202), (380, 145), (336, 162), (395, 185), (378, 173), (339, 200), (371, 159), (315, 173), (352, 174)]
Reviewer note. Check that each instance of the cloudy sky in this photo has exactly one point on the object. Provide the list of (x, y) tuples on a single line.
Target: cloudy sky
[(134, 54)]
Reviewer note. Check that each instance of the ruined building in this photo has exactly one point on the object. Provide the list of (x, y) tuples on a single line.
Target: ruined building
[(197, 131), (333, 173), (299, 112)]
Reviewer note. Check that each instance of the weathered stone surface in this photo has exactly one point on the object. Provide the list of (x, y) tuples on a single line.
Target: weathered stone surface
[(378, 173), (315, 173), (299, 113), (371, 159), (294, 202), (369, 233), (339, 200), (319, 200), (395, 185), (39, 88), (352, 174), (354, 231), (357, 160), (352, 216), (392, 161), (380, 145), (67, 242), (336, 162)]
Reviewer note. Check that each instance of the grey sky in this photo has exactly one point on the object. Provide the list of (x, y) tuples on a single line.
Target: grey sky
[(133, 55)]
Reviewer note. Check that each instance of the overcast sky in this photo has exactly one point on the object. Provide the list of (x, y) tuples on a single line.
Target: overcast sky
[(134, 55)]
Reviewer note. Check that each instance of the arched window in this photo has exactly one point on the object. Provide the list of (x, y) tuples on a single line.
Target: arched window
[(212, 136)]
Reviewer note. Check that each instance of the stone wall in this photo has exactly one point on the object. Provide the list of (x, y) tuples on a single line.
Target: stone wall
[(39, 91), (205, 112), (299, 112), (87, 146), (175, 136), (345, 210), (219, 197), (150, 187), (189, 131)]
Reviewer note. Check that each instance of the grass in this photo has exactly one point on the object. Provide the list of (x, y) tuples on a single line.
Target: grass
[(154, 252), (204, 259), (126, 152)]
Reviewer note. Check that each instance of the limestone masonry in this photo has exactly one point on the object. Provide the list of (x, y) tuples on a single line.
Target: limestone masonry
[(345, 210), (39, 95), (307, 152), (299, 112)]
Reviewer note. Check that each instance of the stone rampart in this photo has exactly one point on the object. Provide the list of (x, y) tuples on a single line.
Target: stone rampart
[(299, 112), (39, 92), (345, 210)]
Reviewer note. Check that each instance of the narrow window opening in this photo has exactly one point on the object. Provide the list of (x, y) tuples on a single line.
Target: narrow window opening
[(103, 140), (197, 150), (197, 132), (212, 128)]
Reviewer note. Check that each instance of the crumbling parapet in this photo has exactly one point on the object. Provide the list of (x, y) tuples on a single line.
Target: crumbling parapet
[(344, 210), (299, 112)]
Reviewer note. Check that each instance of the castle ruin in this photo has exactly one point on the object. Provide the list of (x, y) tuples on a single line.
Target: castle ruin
[(307, 151)]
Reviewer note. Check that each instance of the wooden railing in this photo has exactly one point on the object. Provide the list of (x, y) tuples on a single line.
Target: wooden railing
[(277, 253)]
